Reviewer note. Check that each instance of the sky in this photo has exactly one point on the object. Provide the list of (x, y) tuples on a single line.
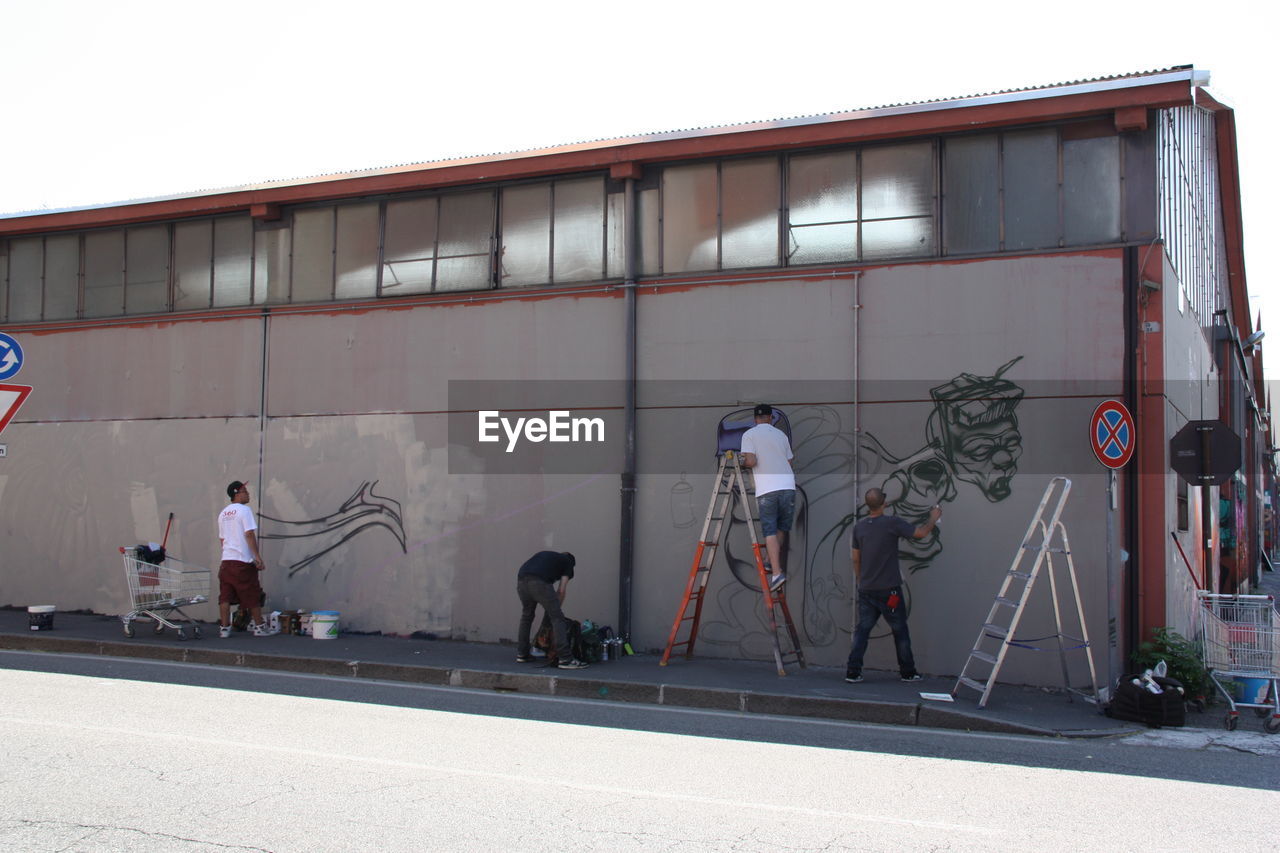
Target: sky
[(108, 101)]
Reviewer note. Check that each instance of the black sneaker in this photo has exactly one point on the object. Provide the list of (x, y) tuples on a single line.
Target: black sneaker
[(572, 663), (523, 658), (853, 677), (914, 677)]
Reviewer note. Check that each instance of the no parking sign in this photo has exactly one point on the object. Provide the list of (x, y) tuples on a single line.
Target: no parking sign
[(1111, 433)]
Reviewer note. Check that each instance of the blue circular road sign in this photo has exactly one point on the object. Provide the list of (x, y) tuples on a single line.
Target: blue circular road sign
[(10, 357)]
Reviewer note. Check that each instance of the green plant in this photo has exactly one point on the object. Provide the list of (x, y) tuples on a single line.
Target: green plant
[(1183, 658)]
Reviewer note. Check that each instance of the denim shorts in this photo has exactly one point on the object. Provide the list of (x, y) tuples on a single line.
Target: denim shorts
[(776, 511)]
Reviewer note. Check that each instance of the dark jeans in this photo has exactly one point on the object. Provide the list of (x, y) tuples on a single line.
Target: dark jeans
[(533, 591), (872, 604)]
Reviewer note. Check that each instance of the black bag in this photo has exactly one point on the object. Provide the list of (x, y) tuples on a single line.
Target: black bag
[(546, 640), (1140, 705), (147, 555)]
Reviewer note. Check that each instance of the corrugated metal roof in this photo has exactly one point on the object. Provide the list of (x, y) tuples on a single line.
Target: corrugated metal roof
[(1177, 72)]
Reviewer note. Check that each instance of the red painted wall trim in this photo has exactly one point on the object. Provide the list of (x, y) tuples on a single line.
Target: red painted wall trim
[(1150, 455)]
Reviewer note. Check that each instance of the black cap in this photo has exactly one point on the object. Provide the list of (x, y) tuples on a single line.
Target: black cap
[(234, 488), (573, 561), (764, 410)]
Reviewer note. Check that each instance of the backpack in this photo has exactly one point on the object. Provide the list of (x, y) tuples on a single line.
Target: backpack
[(546, 640), (1139, 705)]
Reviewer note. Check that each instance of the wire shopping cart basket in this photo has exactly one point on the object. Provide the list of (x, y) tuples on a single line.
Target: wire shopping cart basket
[(1239, 635), (159, 590)]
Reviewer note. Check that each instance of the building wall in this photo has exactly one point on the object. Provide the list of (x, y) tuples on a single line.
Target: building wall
[(366, 510)]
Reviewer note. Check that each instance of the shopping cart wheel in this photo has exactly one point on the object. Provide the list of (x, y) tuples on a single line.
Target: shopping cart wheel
[(195, 631), (1272, 726), (128, 629), (1197, 705), (1231, 722), (182, 633), (1262, 712), (159, 627)]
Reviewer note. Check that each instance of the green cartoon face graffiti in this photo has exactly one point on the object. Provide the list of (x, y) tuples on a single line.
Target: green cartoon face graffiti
[(975, 425)]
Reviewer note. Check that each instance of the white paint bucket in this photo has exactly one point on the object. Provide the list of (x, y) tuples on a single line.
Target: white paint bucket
[(40, 617), (324, 624)]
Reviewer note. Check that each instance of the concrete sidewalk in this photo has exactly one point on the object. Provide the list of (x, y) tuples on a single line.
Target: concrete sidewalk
[(743, 686)]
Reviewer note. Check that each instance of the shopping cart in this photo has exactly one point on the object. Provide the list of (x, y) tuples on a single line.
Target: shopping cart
[(1239, 636), (159, 591)]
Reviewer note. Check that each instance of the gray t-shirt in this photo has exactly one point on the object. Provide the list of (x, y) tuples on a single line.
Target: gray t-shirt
[(876, 538)]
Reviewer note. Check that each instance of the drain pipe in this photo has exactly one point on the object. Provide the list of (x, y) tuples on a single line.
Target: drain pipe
[(627, 527)]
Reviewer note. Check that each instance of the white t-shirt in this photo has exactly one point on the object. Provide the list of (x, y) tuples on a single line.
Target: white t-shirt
[(772, 451), (233, 523)]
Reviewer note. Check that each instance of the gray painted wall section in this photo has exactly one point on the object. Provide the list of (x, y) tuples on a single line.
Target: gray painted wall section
[(129, 423)]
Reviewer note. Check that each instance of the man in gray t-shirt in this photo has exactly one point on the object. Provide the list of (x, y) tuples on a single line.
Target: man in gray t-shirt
[(879, 580)]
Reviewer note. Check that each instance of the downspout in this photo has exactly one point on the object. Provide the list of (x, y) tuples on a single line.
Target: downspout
[(627, 527), (857, 414)]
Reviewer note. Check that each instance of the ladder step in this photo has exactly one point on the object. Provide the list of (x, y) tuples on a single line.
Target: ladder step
[(1007, 602), (1024, 575), (983, 656), (981, 687), (998, 630)]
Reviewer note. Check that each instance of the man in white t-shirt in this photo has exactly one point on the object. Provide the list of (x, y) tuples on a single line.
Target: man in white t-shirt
[(767, 452), (241, 562)]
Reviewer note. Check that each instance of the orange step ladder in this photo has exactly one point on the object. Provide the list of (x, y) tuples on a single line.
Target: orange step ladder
[(732, 482)]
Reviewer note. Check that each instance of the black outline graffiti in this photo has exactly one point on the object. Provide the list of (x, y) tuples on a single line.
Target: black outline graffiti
[(360, 512)]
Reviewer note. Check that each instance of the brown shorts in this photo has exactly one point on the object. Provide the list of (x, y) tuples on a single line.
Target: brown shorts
[(238, 584)]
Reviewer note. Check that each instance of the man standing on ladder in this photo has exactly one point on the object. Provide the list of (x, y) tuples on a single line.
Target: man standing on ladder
[(879, 582), (766, 451)]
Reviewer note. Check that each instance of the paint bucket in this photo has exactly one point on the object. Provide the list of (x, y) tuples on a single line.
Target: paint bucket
[(1253, 691), (324, 624), (40, 617)]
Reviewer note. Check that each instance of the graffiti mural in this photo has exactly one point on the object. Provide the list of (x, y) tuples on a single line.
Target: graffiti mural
[(363, 511), (971, 436)]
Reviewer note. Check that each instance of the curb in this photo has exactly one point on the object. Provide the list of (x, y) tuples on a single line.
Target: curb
[(577, 686)]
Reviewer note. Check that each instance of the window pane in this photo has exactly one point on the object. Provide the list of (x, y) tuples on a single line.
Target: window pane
[(312, 255), (814, 244), (357, 255), (897, 238), (62, 277), (579, 231), (409, 246), (1091, 190), (970, 189), (146, 270), (26, 265), (271, 248), (749, 204), (466, 238), (232, 245), (616, 225), (526, 235), (650, 232), (192, 253), (897, 180), (689, 218), (104, 273), (1031, 189), (822, 188)]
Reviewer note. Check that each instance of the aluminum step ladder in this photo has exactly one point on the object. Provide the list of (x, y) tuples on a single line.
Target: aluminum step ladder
[(998, 634), (732, 482)]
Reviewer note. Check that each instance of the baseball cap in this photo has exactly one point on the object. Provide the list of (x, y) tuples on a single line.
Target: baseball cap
[(234, 487), (763, 410)]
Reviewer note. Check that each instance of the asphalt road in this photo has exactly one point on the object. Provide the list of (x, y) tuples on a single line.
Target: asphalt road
[(106, 754)]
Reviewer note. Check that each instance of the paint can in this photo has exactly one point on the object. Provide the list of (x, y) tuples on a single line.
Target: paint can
[(1253, 691), (324, 624), (40, 617)]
